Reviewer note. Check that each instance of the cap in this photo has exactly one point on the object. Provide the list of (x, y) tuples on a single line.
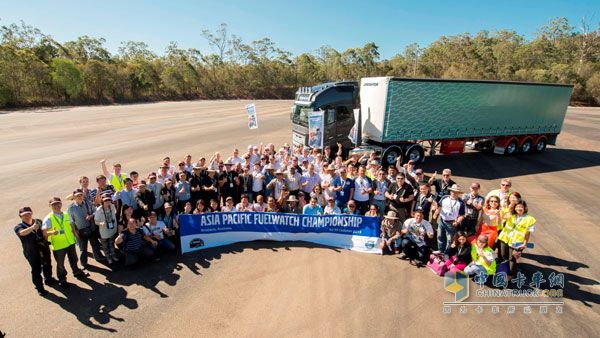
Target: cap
[(142, 184), (374, 162), (228, 162), (153, 175), (181, 163), (229, 198), (279, 172), (411, 162), (25, 210), (77, 192), (54, 200), (292, 198), (106, 198), (455, 188)]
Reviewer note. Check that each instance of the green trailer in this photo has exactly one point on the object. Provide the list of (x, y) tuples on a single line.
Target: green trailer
[(402, 117)]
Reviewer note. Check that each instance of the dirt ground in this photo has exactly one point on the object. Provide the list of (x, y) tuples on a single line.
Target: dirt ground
[(288, 288)]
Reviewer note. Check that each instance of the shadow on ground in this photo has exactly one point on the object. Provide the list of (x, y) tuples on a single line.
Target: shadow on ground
[(93, 306), (491, 166)]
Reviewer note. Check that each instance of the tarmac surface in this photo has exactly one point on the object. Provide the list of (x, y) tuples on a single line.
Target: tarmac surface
[(283, 288)]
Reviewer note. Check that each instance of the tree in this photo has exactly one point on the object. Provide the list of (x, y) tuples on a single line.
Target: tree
[(67, 78), (593, 87)]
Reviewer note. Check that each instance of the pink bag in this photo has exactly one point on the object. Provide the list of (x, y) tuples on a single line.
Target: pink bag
[(437, 264)]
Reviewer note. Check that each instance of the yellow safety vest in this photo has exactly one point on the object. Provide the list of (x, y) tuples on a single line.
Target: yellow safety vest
[(64, 239), (515, 233), (491, 268), (118, 182)]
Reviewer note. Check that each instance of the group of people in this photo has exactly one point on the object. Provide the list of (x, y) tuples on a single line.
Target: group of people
[(134, 217)]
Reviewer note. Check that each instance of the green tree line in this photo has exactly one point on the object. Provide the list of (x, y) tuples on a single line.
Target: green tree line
[(37, 70)]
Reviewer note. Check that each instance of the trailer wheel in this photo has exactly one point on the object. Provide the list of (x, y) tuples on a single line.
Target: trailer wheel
[(415, 153), (511, 148), (526, 146), (391, 155), (540, 145)]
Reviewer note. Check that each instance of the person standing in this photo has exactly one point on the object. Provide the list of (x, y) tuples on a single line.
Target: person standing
[(515, 235), (57, 229), (424, 201), (116, 178), (400, 196), (156, 189), (381, 185), (442, 185), (81, 214), (145, 200), (361, 190), (182, 191), (106, 219), (451, 212), (35, 250), (503, 193), (473, 205)]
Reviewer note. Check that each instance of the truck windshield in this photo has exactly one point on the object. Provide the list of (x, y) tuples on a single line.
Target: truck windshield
[(300, 115)]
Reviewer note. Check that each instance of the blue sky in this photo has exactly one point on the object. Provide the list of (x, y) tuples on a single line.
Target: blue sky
[(297, 26)]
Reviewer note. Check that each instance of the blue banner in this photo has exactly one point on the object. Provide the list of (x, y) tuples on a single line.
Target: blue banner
[(359, 233)]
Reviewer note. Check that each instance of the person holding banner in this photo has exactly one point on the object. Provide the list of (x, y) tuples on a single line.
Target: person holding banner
[(312, 208), (292, 206), (331, 208)]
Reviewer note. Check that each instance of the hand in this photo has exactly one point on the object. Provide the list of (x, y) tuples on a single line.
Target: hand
[(453, 245), (434, 175), (146, 207), (102, 161)]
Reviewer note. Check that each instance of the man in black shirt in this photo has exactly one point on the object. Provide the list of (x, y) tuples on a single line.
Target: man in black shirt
[(400, 196), (196, 184), (442, 185), (35, 249), (229, 183), (145, 200)]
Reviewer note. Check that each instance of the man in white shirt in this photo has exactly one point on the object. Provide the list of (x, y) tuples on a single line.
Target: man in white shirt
[(451, 212), (414, 231), (361, 191), (155, 231)]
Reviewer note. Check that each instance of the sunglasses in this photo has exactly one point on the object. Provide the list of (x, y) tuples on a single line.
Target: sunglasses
[(482, 242), (505, 185), (446, 175), (351, 205)]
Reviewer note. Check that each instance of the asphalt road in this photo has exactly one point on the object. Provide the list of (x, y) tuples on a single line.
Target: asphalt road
[(289, 288)]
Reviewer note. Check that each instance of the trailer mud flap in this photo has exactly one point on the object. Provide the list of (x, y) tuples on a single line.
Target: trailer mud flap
[(499, 150)]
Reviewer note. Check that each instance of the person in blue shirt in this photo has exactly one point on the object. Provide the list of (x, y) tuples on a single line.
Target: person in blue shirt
[(312, 208), (342, 185)]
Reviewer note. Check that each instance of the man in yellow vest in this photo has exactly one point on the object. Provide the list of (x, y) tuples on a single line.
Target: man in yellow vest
[(57, 229), (116, 179)]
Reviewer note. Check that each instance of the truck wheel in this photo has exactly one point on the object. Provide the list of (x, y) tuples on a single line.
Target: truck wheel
[(415, 153), (526, 147), (391, 155), (511, 148), (540, 145)]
